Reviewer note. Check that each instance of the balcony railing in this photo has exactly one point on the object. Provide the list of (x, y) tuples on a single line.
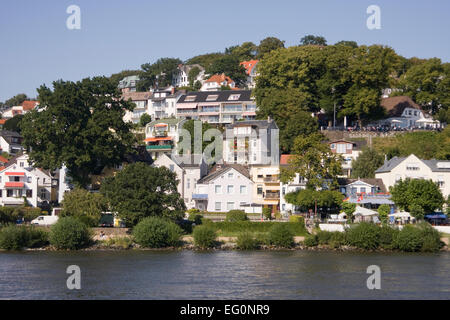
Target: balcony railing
[(159, 147), (271, 179), (272, 196)]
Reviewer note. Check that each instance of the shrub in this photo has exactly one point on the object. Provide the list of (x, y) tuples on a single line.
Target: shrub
[(7, 215), (69, 233), (281, 236), (204, 237), (89, 221), (122, 242), (236, 215), (195, 216), (337, 239), (246, 241), (278, 215), (324, 237), (364, 235), (267, 213), (383, 212), (297, 219), (311, 241), (185, 225), (388, 237), (155, 232), (409, 239), (233, 228), (14, 237)]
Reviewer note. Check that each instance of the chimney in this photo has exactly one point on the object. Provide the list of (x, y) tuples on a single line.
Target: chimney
[(173, 90), (269, 119)]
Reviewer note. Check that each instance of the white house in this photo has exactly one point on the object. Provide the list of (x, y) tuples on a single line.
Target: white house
[(403, 112), (140, 99), (296, 184), (251, 142), (219, 107), (189, 171), (10, 142), (180, 77), (215, 82), (349, 150), (162, 103), (400, 168), (20, 179), (353, 187), (128, 84), (251, 71), (225, 188)]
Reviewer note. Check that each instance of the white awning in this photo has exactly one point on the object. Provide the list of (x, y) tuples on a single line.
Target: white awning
[(187, 105)]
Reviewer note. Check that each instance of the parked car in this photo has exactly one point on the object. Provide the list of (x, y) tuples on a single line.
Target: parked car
[(45, 220)]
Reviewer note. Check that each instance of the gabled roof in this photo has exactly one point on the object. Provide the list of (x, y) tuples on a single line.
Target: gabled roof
[(284, 159), (395, 106), (433, 164), (249, 65), (370, 181), (28, 105), (218, 170), (219, 78)]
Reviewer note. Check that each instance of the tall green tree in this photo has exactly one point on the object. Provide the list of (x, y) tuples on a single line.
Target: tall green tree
[(417, 196), (117, 77), (80, 202), (313, 160), (368, 161), (13, 124), (313, 40), (79, 125), (299, 123), (269, 44), (140, 191), (159, 73), (245, 51), (16, 100)]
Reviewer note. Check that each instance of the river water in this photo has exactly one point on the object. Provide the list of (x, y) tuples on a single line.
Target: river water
[(223, 275)]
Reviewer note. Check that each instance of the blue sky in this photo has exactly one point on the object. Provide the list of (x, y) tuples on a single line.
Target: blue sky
[(37, 48)]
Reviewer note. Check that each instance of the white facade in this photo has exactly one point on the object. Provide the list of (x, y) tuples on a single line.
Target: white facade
[(298, 183), (20, 180), (412, 167), (181, 75), (162, 104), (161, 136), (188, 174), (140, 99), (349, 153), (224, 190), (64, 183)]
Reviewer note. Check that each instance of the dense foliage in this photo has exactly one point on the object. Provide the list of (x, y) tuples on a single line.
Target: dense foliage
[(69, 233), (154, 232), (13, 237), (246, 241), (368, 161), (204, 236), (80, 203), (308, 199), (140, 191), (281, 235), (236, 215)]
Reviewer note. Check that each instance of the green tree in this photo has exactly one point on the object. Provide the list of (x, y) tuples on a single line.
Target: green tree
[(82, 203), (229, 65), (314, 161), (368, 161), (383, 212), (189, 126), (307, 199), (417, 196), (79, 125), (13, 124), (313, 40), (144, 119), (246, 51), (299, 123), (269, 44), (352, 44), (205, 60), (140, 191), (158, 74), (16, 100), (117, 77), (193, 73)]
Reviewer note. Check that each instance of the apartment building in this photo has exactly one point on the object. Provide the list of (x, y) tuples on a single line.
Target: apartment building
[(161, 136), (219, 107), (162, 103), (140, 99), (349, 150)]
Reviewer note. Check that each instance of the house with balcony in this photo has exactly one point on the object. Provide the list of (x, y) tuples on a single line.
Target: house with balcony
[(161, 136), (10, 142), (180, 77), (296, 184), (189, 170), (266, 186), (216, 82), (225, 188), (162, 103), (220, 107), (251, 142), (140, 99), (19, 181), (401, 168), (349, 150)]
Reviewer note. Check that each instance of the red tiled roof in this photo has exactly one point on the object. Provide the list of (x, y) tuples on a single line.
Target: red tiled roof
[(15, 173), (2, 121), (3, 159), (284, 160), (249, 65), (28, 105), (219, 78)]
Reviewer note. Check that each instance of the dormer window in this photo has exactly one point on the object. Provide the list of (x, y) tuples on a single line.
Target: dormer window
[(212, 97), (190, 98), (234, 97)]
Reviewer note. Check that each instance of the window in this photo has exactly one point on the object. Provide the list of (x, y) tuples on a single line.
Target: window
[(43, 194), (190, 98), (9, 193), (333, 146), (230, 175), (259, 190), (1, 193), (29, 193), (440, 181), (230, 206), (234, 97), (212, 97), (218, 206), (412, 166), (341, 148), (21, 165), (243, 189), (363, 190), (218, 189), (188, 183), (230, 189)]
